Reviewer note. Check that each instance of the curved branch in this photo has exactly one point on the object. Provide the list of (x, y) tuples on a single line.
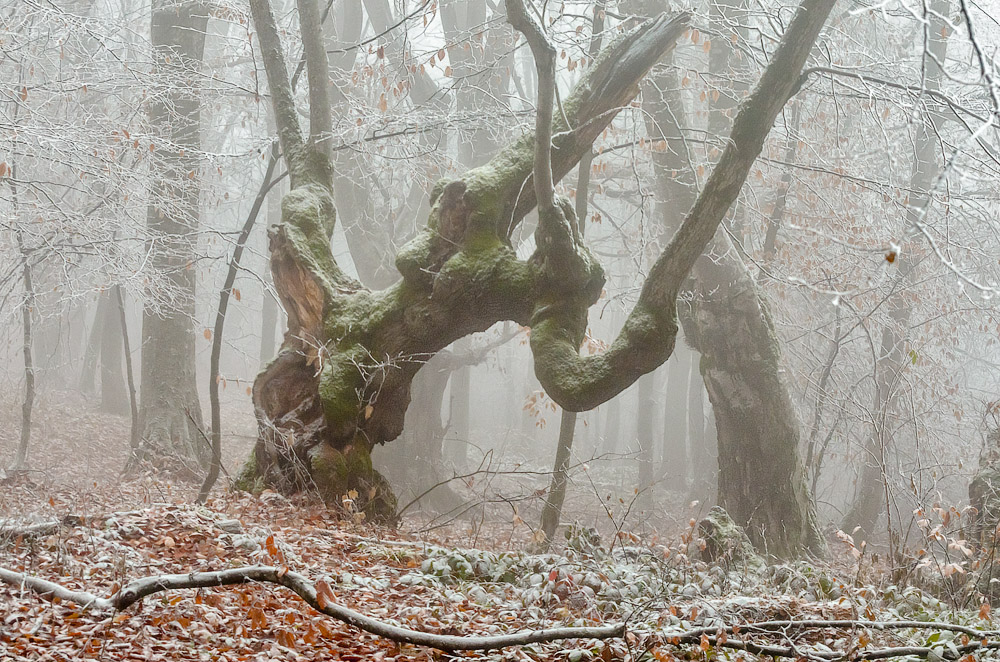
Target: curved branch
[(318, 595), (545, 65), (647, 339)]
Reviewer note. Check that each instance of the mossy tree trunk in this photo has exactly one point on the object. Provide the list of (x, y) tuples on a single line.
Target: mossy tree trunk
[(341, 381)]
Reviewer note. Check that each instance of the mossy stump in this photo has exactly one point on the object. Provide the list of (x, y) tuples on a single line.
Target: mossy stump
[(726, 543)]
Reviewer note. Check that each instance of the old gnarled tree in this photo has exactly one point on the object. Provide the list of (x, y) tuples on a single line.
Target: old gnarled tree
[(341, 381)]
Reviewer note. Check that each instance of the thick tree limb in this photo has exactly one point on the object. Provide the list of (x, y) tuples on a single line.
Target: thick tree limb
[(309, 592), (648, 336), (285, 116), (545, 65), (318, 74)]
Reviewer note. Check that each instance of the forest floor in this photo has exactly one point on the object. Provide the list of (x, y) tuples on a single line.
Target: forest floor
[(675, 605)]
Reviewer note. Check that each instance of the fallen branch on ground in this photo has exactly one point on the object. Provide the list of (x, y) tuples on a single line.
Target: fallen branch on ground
[(317, 594), (10, 531), (717, 637)]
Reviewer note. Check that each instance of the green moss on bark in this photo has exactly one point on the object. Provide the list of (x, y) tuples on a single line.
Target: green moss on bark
[(727, 543), (338, 472), (340, 382), (249, 478)]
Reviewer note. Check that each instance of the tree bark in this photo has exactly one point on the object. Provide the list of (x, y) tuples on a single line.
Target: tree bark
[(170, 408), (133, 402), (91, 352), (27, 310), (644, 435), (704, 447), (674, 465)]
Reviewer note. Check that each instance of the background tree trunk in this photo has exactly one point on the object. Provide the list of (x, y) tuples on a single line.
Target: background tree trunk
[(761, 478), (869, 503), (114, 397), (170, 409)]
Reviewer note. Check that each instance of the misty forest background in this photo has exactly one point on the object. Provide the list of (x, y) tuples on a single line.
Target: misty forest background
[(834, 382)]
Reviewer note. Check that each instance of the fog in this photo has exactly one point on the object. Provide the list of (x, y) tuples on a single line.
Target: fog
[(842, 324)]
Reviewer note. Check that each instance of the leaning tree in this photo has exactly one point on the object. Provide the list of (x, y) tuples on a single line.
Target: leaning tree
[(341, 382)]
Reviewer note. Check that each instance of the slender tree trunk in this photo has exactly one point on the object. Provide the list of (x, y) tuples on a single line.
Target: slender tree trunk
[(170, 408), (704, 450), (91, 352), (27, 310), (114, 397), (870, 502), (129, 372), (552, 511), (644, 434), (214, 376), (612, 442), (674, 465), (457, 438)]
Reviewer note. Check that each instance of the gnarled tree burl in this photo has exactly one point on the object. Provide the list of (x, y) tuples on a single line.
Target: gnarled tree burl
[(341, 381)]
